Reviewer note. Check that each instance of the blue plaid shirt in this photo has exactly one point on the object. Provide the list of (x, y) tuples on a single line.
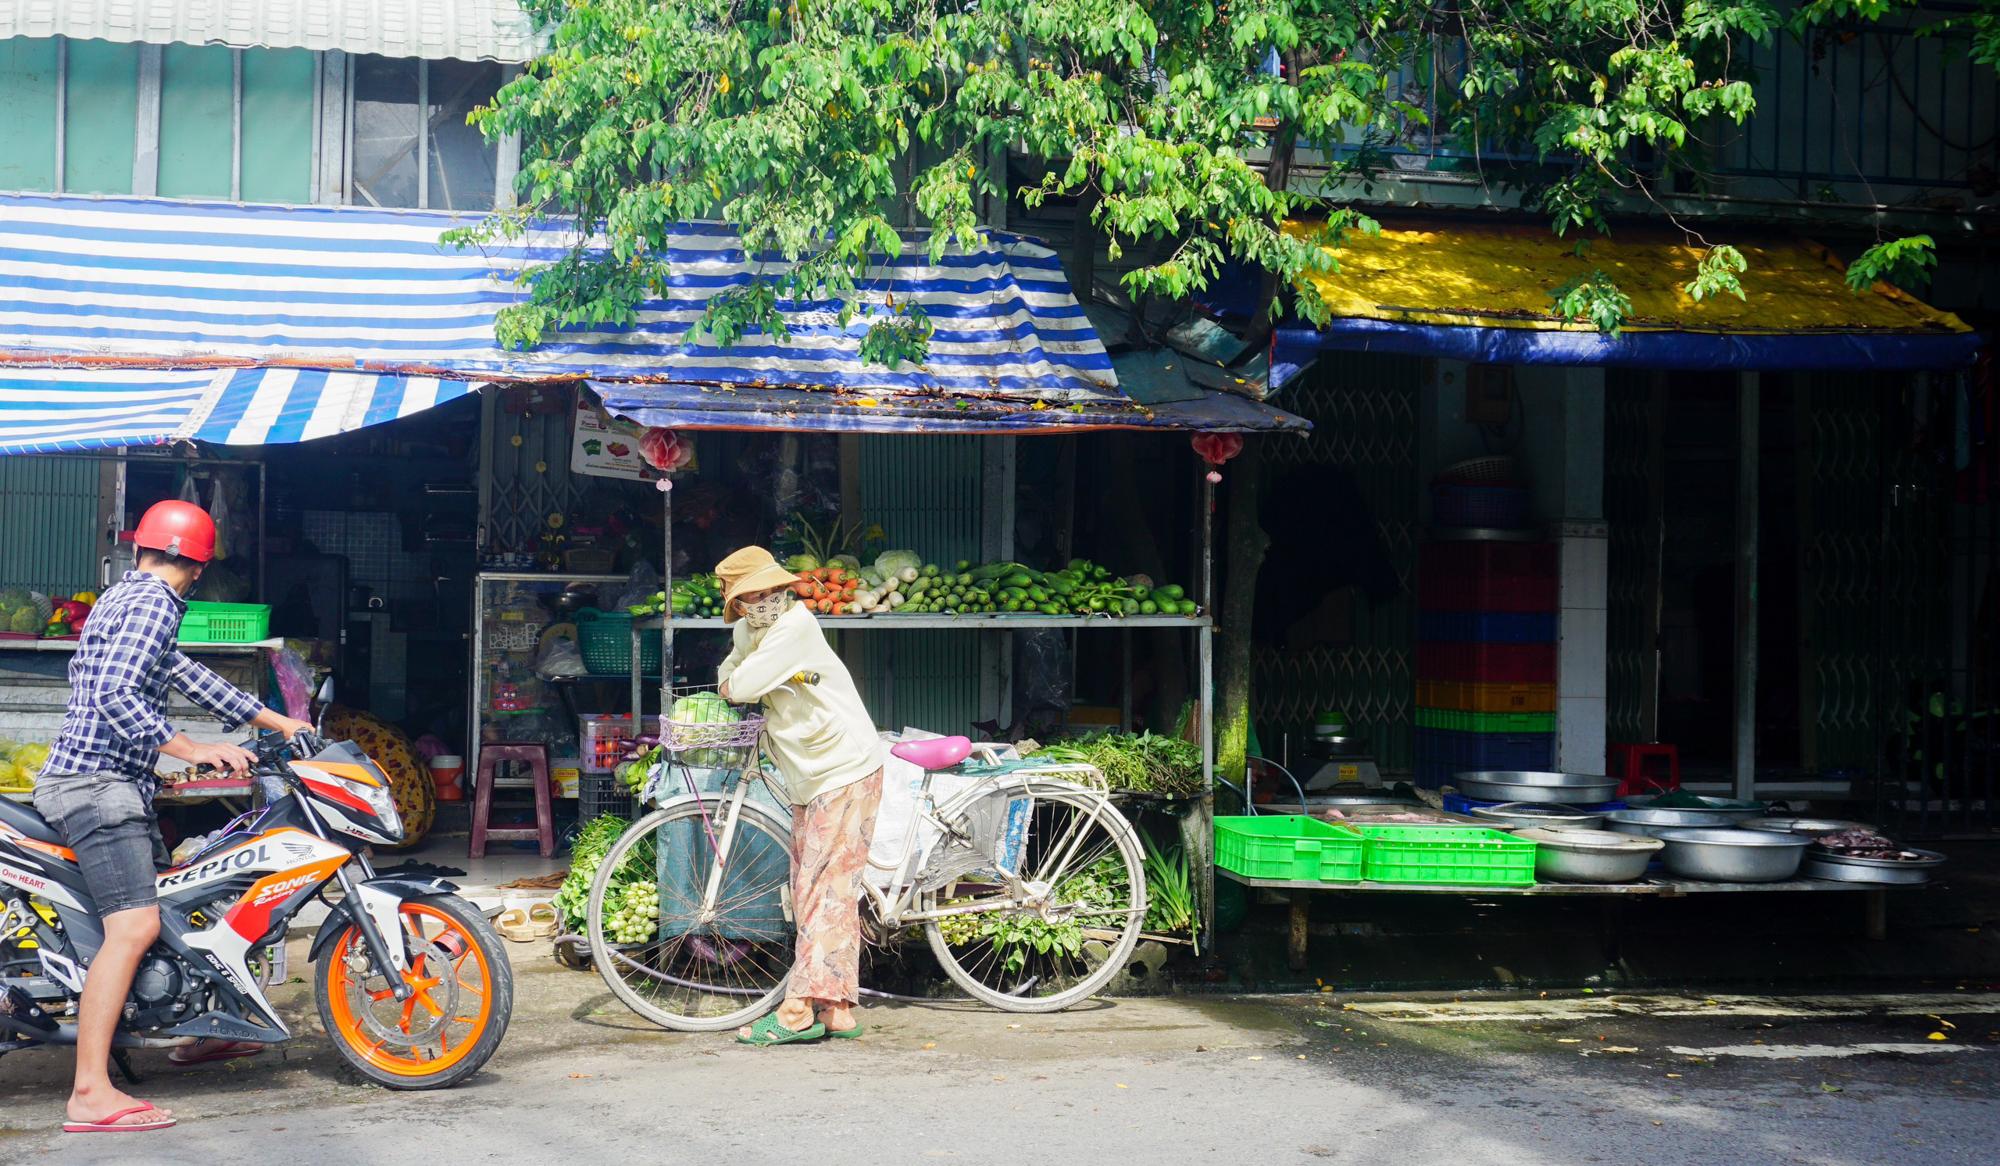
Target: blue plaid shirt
[(126, 661)]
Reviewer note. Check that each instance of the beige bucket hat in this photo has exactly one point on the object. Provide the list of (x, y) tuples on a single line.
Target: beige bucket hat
[(746, 571)]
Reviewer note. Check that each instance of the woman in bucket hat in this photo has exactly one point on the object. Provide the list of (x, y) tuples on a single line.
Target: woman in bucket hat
[(826, 750)]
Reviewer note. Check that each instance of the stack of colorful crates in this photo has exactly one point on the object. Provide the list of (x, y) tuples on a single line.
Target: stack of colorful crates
[(1486, 658)]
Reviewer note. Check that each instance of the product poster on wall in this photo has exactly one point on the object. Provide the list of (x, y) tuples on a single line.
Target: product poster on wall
[(604, 448)]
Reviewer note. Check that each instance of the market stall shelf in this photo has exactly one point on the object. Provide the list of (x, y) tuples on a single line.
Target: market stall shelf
[(1874, 901)]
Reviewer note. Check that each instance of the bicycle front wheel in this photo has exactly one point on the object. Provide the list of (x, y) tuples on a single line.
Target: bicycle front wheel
[(1057, 934), (682, 953)]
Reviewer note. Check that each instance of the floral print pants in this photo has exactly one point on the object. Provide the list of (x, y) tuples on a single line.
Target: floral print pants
[(830, 839)]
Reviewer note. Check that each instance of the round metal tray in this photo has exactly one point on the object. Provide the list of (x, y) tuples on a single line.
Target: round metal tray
[(1532, 815), (1524, 785), (1810, 827), (1886, 871)]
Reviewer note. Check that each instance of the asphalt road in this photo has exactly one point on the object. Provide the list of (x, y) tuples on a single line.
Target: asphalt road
[(1654, 1080)]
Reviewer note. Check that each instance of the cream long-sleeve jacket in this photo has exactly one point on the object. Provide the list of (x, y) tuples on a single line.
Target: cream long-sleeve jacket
[(819, 736)]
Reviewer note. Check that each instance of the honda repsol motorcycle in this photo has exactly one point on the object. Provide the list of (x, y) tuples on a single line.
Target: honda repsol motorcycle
[(412, 984)]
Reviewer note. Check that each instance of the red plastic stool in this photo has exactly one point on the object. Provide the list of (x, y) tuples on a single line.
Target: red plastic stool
[(491, 757), (1629, 763)]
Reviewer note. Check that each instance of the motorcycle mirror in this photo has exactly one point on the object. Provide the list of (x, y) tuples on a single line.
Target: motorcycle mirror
[(324, 697)]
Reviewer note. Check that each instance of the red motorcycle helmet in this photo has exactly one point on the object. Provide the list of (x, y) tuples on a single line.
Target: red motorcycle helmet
[(178, 528)]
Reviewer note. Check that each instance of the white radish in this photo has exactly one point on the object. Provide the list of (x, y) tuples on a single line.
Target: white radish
[(907, 574), (895, 600), (855, 608)]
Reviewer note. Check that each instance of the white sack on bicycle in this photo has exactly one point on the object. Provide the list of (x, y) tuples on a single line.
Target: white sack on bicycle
[(901, 783)]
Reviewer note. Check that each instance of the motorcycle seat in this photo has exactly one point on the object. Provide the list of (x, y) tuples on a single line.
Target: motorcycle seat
[(934, 753), (28, 821)]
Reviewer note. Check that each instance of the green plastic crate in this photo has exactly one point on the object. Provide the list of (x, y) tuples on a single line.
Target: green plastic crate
[(1454, 856), (226, 623), (1461, 721), (1289, 847)]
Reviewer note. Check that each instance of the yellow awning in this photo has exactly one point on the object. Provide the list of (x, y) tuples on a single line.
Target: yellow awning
[(1482, 292), (1502, 276)]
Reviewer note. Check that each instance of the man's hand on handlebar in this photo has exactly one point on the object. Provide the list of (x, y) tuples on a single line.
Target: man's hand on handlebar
[(233, 759)]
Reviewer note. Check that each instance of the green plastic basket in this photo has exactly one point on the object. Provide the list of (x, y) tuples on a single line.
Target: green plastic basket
[(605, 638), (226, 623), (1461, 721), (1288, 847), (1453, 856)]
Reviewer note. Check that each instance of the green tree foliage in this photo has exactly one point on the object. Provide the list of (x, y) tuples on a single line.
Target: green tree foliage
[(816, 127)]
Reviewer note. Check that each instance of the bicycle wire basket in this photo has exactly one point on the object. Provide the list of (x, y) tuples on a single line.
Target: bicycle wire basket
[(680, 735)]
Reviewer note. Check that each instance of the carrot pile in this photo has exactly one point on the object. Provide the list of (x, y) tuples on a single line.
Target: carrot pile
[(827, 590)]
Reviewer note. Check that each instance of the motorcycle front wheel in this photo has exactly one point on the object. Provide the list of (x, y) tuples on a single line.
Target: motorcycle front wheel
[(462, 995)]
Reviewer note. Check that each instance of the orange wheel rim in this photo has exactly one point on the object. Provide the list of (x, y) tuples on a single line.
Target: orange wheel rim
[(446, 1014)]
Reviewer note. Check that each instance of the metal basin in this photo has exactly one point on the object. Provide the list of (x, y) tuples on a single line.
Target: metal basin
[(1524, 785), (1649, 823), (1733, 856), (1731, 809), (1530, 815), (1571, 855), (1808, 827), (1844, 868)]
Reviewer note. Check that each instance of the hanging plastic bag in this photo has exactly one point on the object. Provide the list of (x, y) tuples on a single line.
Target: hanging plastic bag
[(641, 586), (558, 658), (219, 510)]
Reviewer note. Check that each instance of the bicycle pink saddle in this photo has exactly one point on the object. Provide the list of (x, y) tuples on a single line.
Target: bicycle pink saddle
[(935, 753)]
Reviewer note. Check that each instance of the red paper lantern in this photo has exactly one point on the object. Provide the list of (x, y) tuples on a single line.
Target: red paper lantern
[(1216, 448), (665, 450)]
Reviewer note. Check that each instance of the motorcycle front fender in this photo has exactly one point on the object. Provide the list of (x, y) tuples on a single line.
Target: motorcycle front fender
[(383, 898)]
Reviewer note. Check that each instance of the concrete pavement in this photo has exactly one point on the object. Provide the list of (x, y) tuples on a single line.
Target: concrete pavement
[(1522, 1080)]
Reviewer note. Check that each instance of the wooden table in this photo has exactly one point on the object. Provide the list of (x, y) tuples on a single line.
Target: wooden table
[(1875, 900)]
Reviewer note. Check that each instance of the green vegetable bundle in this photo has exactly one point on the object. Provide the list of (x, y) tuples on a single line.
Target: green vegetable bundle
[(1143, 762), (593, 842)]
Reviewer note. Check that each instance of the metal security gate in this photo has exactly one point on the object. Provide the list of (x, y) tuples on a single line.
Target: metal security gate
[(1364, 411), (1938, 773), (1634, 415)]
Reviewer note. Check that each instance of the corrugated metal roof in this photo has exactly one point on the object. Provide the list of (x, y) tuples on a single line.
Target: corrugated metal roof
[(459, 30)]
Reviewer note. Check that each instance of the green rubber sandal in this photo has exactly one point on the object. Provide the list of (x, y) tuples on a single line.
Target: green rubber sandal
[(768, 1030), (854, 1033)]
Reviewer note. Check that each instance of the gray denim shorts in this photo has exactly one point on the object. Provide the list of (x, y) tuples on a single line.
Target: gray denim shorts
[(113, 831)]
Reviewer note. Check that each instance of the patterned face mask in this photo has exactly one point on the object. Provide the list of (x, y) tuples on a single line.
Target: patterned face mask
[(762, 613)]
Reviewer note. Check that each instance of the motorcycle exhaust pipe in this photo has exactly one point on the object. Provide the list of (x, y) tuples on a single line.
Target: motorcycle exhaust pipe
[(22, 1017)]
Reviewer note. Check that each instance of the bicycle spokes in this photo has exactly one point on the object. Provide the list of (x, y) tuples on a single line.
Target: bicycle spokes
[(713, 933), (1051, 931)]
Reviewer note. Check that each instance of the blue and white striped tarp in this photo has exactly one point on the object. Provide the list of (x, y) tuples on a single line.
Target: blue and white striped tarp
[(57, 410), (170, 281)]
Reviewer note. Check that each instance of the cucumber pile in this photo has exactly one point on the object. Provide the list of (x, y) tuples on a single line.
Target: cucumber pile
[(1080, 588), (694, 596)]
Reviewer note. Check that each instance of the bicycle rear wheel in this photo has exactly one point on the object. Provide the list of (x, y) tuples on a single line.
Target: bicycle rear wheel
[(1076, 922), (662, 954)]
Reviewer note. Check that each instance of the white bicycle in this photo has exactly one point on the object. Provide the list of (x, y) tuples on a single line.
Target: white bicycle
[(1029, 887)]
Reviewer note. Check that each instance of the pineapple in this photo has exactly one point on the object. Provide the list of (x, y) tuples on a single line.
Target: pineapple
[(409, 779)]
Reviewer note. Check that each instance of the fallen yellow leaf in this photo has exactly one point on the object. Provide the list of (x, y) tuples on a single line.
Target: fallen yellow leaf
[(1120, 1086), (930, 1044), (1938, 1036)]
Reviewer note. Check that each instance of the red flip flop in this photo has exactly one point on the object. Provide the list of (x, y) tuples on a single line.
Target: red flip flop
[(110, 1125), (228, 1052)]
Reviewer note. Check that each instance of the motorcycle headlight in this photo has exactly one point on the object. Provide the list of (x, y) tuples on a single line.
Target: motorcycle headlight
[(384, 804)]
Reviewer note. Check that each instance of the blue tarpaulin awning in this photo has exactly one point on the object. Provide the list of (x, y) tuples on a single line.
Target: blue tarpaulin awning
[(127, 321), (59, 410)]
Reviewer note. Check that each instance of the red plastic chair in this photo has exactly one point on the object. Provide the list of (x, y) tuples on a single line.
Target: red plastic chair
[(1629, 764)]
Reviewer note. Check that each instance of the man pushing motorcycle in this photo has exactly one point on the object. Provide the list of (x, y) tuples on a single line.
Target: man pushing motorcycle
[(98, 785)]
